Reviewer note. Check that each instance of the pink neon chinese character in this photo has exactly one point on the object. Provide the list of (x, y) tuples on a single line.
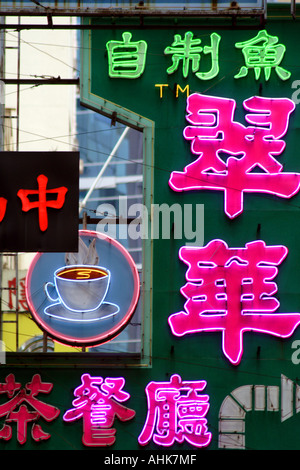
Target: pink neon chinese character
[(177, 411), (213, 133), (97, 403), (230, 290), (16, 409), (42, 202)]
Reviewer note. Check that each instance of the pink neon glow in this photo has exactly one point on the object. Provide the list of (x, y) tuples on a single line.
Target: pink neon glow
[(230, 290), (213, 132), (176, 411), (16, 409), (97, 404)]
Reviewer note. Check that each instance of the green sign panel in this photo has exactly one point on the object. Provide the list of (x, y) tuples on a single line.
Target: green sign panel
[(220, 106)]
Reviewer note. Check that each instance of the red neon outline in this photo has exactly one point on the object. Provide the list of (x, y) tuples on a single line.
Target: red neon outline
[(110, 334)]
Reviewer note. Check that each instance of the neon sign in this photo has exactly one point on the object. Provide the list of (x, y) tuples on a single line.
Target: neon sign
[(230, 290), (188, 50), (40, 195), (264, 57), (98, 401), (42, 203), (18, 409), (213, 133), (126, 59), (176, 413), (76, 298)]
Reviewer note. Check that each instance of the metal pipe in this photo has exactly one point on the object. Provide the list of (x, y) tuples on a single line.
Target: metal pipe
[(84, 201), (18, 88), (40, 81)]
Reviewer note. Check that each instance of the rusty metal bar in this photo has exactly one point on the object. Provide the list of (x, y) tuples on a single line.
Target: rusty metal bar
[(40, 81), (129, 12)]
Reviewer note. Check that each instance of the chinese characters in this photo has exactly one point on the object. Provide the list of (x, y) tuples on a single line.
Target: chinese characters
[(176, 412), (13, 288), (213, 133), (230, 290), (98, 402), (42, 202), (188, 50), (127, 58), (39, 201), (262, 53), (25, 409)]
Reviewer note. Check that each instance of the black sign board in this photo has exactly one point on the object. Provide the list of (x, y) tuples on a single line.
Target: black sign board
[(39, 193)]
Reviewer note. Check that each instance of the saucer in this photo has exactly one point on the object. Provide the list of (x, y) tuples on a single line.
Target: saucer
[(105, 310)]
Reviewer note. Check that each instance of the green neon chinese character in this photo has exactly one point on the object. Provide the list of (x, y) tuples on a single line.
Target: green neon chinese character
[(266, 56), (188, 50), (126, 59)]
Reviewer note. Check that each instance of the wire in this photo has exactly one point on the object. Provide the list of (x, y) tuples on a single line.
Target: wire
[(136, 161), (44, 52)]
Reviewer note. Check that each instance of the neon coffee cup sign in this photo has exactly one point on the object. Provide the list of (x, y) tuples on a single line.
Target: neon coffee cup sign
[(79, 288), (76, 297)]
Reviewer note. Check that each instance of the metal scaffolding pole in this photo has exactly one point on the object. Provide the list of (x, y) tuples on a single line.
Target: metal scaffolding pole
[(82, 204)]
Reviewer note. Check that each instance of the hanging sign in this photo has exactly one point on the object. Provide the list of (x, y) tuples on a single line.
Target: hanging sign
[(76, 297), (39, 201)]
